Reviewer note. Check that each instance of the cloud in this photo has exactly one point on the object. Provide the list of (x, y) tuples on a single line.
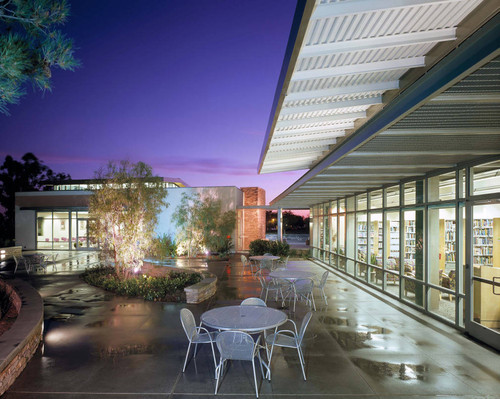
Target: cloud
[(206, 166)]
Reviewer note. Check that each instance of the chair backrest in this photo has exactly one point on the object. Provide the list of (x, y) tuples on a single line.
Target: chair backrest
[(253, 302), (244, 260), (188, 323), (15, 259), (303, 327), (236, 345), (323, 279), (305, 284)]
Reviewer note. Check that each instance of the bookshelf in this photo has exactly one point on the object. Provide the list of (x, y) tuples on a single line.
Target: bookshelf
[(482, 235), (449, 242), (394, 239), (409, 239), (362, 240)]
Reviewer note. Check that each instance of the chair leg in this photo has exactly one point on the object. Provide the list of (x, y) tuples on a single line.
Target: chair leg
[(215, 361), (302, 361), (324, 295), (314, 303), (255, 378), (187, 354)]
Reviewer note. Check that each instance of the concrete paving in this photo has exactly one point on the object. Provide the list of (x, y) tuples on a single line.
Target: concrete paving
[(97, 345)]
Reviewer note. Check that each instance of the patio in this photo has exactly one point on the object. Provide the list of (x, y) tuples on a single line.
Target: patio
[(98, 345)]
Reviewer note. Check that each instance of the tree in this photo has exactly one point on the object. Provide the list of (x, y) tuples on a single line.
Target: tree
[(124, 211), (30, 45), (29, 175), (202, 223)]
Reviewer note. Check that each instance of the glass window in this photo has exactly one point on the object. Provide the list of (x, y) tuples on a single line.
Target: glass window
[(462, 191), (442, 187), (333, 206), (392, 196), (61, 230), (44, 230), (413, 256), (376, 199), (361, 237), (376, 239), (361, 202), (341, 234), (485, 178), (392, 241), (342, 205), (333, 232), (414, 192), (350, 204)]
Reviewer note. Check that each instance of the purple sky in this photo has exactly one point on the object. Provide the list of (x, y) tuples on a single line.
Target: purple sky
[(183, 85)]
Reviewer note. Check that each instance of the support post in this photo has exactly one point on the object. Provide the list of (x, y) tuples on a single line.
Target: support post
[(280, 225)]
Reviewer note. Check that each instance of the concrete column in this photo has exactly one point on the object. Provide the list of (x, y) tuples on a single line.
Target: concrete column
[(279, 225)]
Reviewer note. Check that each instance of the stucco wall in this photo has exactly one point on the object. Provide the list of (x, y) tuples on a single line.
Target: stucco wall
[(25, 229), (231, 197)]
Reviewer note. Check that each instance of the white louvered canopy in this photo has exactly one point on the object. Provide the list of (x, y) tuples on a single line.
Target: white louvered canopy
[(347, 63)]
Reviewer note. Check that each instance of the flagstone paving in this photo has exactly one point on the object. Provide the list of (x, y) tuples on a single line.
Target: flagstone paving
[(97, 345)]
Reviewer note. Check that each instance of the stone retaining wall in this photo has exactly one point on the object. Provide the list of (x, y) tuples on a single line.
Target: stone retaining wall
[(7, 252), (20, 342)]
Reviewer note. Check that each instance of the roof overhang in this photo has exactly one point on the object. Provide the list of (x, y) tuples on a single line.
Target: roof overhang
[(448, 112)]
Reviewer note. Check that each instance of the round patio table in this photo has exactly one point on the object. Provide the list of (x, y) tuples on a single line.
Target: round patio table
[(291, 274), (251, 319), (262, 258)]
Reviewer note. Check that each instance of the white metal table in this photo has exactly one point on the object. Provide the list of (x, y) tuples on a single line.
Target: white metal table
[(262, 258), (251, 319), (292, 276)]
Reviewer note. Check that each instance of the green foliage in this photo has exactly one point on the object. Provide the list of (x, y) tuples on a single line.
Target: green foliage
[(169, 288), (300, 253), (202, 225), (279, 248), (124, 212), (258, 247), (30, 45), (276, 248), (16, 176), (163, 247)]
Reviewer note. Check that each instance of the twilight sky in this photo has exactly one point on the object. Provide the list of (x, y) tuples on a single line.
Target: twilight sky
[(183, 85)]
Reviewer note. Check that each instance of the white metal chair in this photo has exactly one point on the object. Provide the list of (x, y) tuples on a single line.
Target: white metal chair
[(246, 263), (290, 339), (282, 263), (237, 345), (253, 302), (21, 260), (196, 335), (321, 285), (304, 289), (269, 285)]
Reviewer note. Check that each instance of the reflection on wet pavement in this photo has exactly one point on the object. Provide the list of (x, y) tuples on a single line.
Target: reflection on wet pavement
[(400, 371)]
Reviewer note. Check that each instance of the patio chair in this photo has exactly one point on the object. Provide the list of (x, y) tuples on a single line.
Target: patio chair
[(303, 289), (253, 302), (282, 263), (322, 284), (290, 339), (196, 335), (21, 260), (269, 285), (237, 345), (246, 263)]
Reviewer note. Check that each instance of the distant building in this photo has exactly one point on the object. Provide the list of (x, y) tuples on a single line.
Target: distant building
[(58, 219)]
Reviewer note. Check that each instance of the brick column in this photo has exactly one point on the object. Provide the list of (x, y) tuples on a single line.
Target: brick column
[(253, 221)]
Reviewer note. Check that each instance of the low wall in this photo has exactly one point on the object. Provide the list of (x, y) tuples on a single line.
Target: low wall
[(195, 293), (8, 252), (20, 342)]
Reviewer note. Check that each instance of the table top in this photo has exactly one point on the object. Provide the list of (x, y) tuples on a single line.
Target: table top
[(264, 257), (244, 318), (291, 274)]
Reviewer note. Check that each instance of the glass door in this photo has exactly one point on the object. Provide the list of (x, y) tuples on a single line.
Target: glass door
[(483, 282)]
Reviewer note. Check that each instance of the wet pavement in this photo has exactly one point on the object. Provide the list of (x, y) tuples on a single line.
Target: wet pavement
[(97, 345)]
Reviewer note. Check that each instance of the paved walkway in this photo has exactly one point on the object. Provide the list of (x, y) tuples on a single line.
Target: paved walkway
[(97, 345)]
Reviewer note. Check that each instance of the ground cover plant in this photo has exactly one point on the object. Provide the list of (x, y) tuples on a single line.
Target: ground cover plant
[(169, 288)]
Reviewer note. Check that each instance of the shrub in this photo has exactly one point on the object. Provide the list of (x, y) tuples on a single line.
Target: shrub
[(276, 248), (259, 247), (279, 248), (163, 247), (169, 288)]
